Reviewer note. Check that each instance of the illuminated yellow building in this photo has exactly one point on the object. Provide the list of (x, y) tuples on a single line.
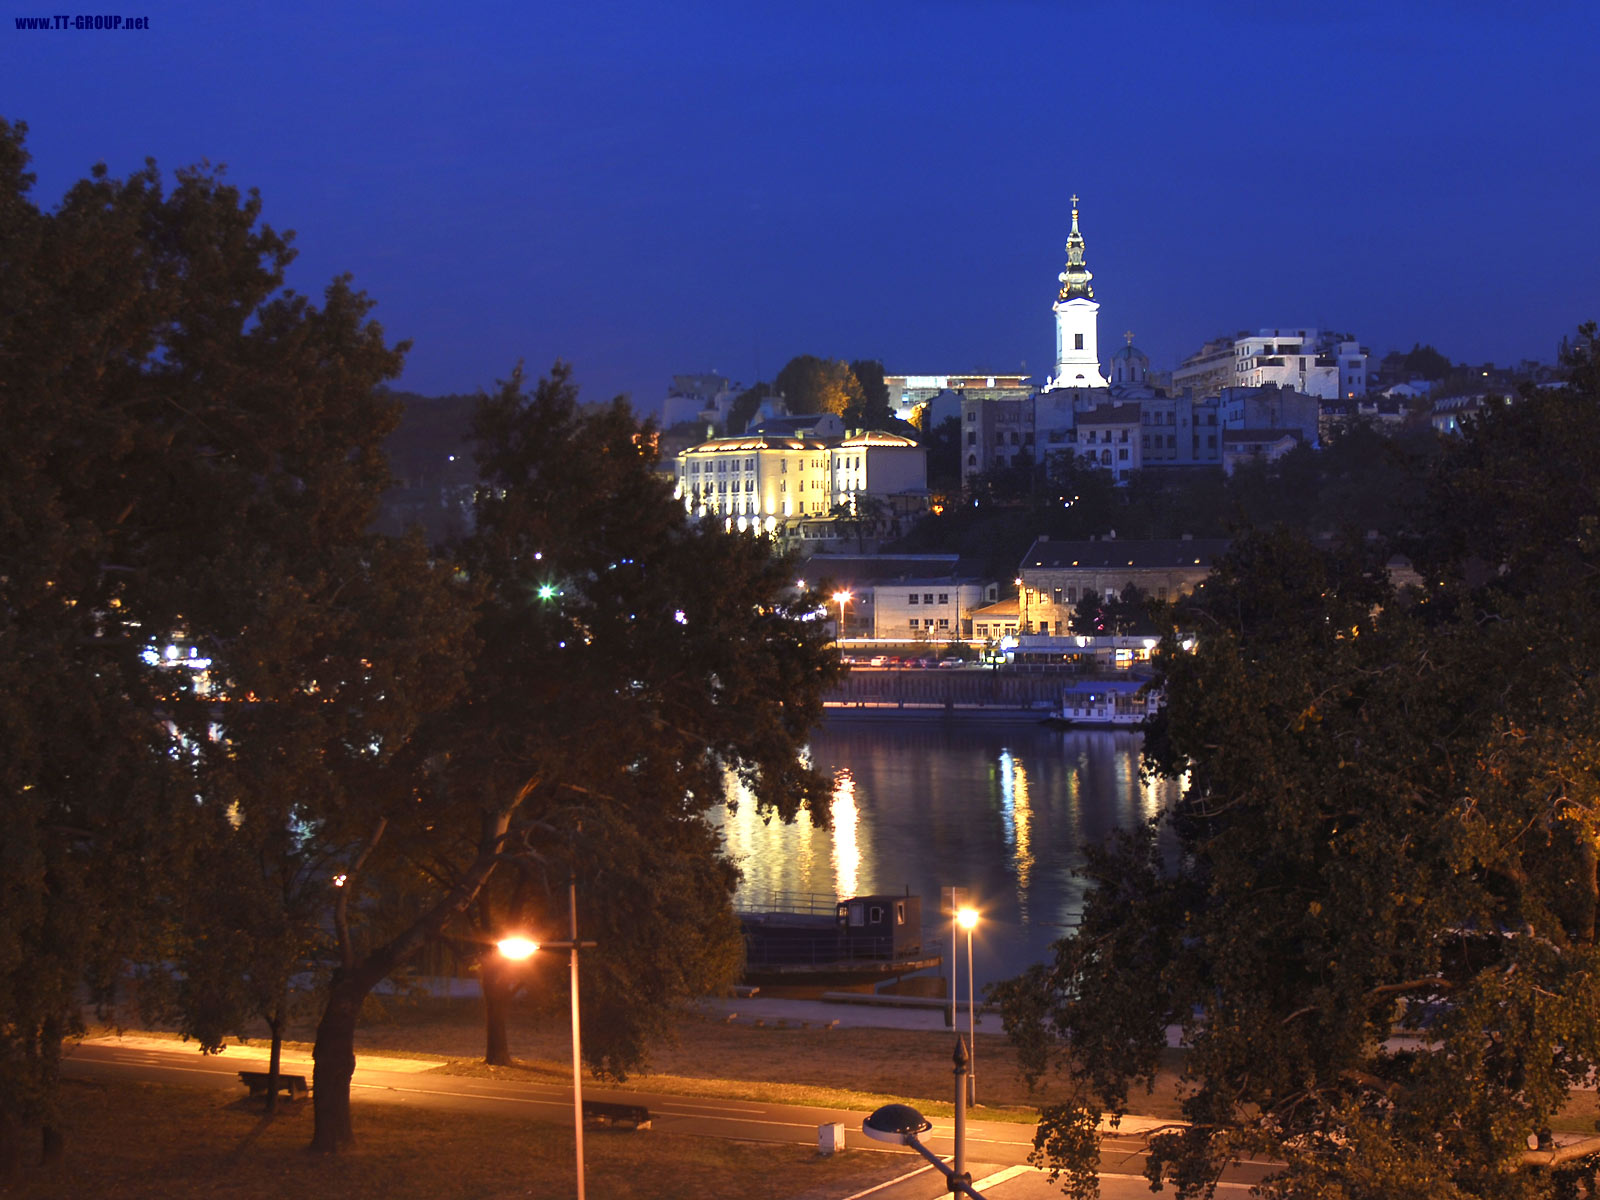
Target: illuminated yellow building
[(758, 481)]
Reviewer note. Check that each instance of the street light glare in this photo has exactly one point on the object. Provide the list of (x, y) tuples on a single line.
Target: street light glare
[(516, 947), (842, 597), (967, 918)]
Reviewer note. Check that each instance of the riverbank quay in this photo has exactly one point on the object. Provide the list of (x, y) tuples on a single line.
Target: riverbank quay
[(887, 711), (972, 691)]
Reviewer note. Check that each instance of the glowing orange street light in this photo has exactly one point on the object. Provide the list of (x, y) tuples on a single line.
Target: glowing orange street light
[(517, 948), (841, 599)]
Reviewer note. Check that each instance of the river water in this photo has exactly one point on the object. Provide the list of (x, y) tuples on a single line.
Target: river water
[(1002, 808)]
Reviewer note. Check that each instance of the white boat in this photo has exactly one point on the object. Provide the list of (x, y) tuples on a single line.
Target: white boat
[(1105, 704)]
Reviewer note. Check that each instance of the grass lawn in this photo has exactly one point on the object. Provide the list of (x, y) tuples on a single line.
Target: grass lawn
[(853, 1068), (133, 1141)]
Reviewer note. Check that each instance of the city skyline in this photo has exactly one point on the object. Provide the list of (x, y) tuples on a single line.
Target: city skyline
[(646, 191)]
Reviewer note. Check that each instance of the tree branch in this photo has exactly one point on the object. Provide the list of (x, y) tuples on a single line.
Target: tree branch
[(341, 908)]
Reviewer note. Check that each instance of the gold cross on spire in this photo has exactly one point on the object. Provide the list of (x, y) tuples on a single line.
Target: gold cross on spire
[(1129, 336), (1074, 200)]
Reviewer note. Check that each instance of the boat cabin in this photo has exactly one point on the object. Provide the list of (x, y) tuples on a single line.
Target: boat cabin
[(828, 936), (885, 925)]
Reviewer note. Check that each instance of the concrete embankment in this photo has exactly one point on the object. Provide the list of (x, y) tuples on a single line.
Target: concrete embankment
[(969, 691)]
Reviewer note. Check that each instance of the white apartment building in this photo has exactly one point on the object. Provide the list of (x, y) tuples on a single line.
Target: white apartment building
[(929, 609), (994, 434), (704, 397), (1323, 365), (1180, 431), (1208, 370), (1109, 437), (1271, 409), (877, 464), (902, 597), (909, 393)]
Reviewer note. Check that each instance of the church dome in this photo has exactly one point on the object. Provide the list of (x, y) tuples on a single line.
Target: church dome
[(1129, 365)]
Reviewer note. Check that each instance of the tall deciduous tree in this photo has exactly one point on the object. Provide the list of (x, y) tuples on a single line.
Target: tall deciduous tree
[(1377, 937), (873, 410), (194, 453), (809, 384), (634, 665)]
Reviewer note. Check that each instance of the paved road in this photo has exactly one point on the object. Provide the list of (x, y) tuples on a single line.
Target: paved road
[(997, 1150)]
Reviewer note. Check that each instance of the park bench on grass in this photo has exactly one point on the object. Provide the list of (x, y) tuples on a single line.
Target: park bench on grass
[(602, 1112), (256, 1081)]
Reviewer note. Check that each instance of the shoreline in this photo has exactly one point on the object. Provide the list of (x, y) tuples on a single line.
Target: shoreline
[(892, 711)]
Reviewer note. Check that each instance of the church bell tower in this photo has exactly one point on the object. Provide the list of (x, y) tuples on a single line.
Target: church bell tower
[(1077, 320)]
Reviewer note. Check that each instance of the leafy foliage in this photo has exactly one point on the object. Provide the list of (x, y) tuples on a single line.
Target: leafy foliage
[(1134, 612), (627, 665), (809, 384), (1424, 362), (873, 410), (1377, 933), (745, 406), (195, 456), (1363, 481)]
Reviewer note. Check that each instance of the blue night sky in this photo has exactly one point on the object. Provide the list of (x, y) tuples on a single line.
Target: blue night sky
[(646, 189)]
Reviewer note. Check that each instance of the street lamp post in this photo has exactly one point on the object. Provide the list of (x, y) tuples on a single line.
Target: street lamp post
[(520, 948), (952, 900), (967, 917), (900, 1124), (841, 599)]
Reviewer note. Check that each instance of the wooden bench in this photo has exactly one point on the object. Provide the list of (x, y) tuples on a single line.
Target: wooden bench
[(602, 1112), (256, 1081)]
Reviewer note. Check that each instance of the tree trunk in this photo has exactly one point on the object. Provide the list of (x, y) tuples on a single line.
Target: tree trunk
[(335, 1062), (52, 1138), (334, 1054), (276, 1025), (10, 1147), (499, 985)]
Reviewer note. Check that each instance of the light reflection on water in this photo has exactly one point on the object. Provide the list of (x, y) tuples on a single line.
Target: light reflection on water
[(1018, 815), (1002, 808), (846, 848)]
